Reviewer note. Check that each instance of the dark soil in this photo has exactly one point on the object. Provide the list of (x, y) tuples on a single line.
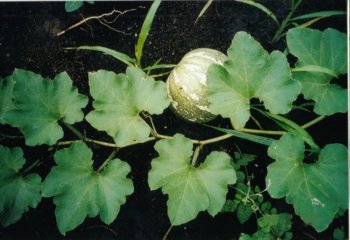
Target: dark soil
[(28, 41)]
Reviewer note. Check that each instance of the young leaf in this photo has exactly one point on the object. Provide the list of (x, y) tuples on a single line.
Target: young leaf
[(118, 100), (244, 211), (17, 192), (190, 190), (72, 5), (259, 235), (79, 191), (6, 97), (40, 103), (328, 50), (250, 72), (278, 224), (316, 190)]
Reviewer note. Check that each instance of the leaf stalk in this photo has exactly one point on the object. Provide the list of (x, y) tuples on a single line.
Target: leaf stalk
[(157, 136), (110, 157)]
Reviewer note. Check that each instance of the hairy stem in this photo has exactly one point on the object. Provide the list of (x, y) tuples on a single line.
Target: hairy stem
[(259, 131), (33, 165), (167, 232), (156, 136), (313, 122), (110, 157), (75, 131), (195, 155)]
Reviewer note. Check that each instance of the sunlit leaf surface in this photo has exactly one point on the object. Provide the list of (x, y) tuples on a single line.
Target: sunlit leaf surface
[(250, 72), (190, 189), (120, 98), (316, 190), (79, 191), (17, 192), (327, 49), (41, 103)]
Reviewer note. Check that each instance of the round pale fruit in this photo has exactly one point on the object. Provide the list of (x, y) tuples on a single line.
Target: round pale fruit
[(187, 84)]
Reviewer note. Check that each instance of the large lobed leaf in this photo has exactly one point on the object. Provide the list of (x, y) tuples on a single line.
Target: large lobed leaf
[(250, 72), (17, 192), (118, 101), (326, 49), (190, 189), (316, 190), (40, 103), (79, 191), (6, 97)]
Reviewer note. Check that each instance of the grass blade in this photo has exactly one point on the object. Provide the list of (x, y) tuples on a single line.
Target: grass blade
[(292, 127), (260, 7), (247, 136), (117, 55), (315, 68), (204, 9), (146, 26), (318, 14), (159, 66)]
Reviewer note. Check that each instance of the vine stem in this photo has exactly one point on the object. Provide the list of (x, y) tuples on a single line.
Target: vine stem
[(265, 132), (167, 232), (195, 155), (156, 135), (110, 157), (33, 165), (75, 131), (313, 122)]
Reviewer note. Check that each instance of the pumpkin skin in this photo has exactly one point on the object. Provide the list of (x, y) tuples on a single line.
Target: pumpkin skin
[(187, 84)]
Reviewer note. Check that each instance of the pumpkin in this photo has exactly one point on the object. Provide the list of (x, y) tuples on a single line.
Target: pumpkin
[(187, 84)]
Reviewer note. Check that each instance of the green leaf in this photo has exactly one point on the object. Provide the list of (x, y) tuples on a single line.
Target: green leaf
[(244, 211), (277, 224), (117, 55), (230, 206), (118, 101), (6, 97), (245, 237), (259, 235), (325, 49), (316, 190), (339, 234), (190, 189), (17, 192), (40, 103), (146, 26), (79, 191), (72, 5), (250, 72)]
